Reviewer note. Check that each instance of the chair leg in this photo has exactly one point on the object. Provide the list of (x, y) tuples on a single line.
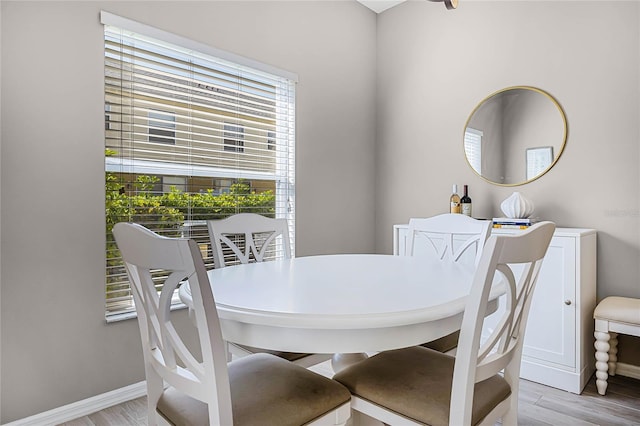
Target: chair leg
[(512, 376), (155, 386), (613, 353), (602, 360)]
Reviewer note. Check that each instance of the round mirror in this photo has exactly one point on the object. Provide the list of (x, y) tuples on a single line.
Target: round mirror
[(515, 135)]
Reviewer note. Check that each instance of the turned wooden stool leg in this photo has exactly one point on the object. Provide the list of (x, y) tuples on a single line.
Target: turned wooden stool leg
[(602, 360), (613, 353), (613, 315)]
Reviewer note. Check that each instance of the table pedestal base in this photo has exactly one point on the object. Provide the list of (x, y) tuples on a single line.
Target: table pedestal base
[(342, 361)]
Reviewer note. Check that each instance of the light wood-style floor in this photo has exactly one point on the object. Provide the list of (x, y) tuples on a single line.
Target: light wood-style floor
[(538, 406)]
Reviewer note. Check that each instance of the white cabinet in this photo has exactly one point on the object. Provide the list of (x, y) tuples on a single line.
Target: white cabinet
[(558, 346)]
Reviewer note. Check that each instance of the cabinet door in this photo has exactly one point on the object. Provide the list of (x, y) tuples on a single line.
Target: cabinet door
[(550, 333), (551, 328)]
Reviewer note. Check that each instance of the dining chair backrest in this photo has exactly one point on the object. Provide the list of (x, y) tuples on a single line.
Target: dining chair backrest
[(502, 350), (248, 237), (449, 237), (152, 260)]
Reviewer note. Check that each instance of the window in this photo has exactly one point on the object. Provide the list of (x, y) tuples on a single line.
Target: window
[(186, 140), (233, 138), (472, 148), (107, 117), (174, 183), (162, 127), (271, 141)]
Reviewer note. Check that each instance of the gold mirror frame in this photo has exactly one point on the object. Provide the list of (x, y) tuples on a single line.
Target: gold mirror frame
[(541, 148)]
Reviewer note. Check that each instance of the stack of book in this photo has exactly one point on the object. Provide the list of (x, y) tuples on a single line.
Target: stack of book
[(513, 223)]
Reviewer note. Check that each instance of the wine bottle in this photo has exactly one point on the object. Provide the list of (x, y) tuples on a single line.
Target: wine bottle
[(465, 202), (455, 201)]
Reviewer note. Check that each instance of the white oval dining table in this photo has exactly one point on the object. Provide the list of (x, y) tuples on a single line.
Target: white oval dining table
[(341, 304)]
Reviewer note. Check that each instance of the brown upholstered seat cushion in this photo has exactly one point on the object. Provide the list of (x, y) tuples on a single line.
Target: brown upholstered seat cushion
[(416, 383), (289, 356), (265, 390), (444, 344)]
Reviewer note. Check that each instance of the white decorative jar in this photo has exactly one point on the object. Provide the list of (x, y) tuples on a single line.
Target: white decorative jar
[(517, 206)]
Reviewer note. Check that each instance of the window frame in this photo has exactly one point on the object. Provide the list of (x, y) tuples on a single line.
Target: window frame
[(162, 126), (233, 137), (283, 176)]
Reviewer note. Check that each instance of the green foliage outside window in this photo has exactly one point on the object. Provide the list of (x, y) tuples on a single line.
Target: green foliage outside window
[(167, 213)]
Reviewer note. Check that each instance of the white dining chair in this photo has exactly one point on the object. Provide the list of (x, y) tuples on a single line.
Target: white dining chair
[(246, 238), (196, 386), (448, 237), (418, 386)]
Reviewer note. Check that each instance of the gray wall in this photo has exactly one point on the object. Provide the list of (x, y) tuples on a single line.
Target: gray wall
[(585, 54), (56, 347)]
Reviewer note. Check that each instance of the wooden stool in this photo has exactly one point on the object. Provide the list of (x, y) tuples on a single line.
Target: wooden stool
[(613, 315)]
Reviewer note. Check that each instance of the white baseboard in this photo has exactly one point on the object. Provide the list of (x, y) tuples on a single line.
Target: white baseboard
[(628, 370), (84, 407)]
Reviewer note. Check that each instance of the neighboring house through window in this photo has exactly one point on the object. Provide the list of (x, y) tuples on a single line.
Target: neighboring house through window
[(187, 131), (107, 117)]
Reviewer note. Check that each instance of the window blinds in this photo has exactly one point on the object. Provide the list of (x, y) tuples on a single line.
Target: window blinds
[(189, 137)]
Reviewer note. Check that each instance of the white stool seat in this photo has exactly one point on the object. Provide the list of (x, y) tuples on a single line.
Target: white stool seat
[(619, 309), (613, 315)]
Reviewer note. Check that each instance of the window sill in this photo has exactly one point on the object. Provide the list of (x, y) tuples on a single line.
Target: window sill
[(113, 318)]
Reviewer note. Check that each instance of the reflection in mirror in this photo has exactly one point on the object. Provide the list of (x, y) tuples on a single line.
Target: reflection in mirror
[(515, 135)]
